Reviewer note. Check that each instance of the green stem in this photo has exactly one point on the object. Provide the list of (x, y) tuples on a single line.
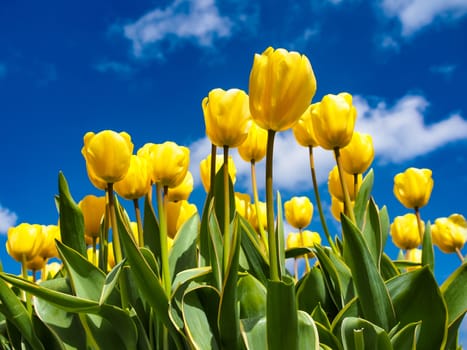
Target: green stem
[(254, 186), (355, 186), (104, 237), (212, 175), (273, 251), (94, 251), (419, 223), (459, 254), (226, 211), (139, 222), (318, 201), (162, 210), (24, 272), (348, 210)]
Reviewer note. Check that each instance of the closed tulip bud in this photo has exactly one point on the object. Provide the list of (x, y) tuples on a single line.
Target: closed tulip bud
[(243, 204), (413, 187), (309, 240), (404, 231), (254, 147), (298, 212), (93, 209), (97, 182), (137, 181), (182, 191), (49, 248), (169, 163), (337, 208), (303, 131), (450, 234), (227, 117), (205, 170), (107, 154), (36, 263), (281, 87), (414, 255), (334, 120), (262, 215), (24, 241), (293, 240), (335, 187), (358, 155), (177, 214)]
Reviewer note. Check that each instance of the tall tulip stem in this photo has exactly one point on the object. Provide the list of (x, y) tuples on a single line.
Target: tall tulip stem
[(459, 254), (305, 256), (318, 200), (419, 223), (347, 204), (24, 273), (254, 187), (212, 174), (139, 222), (162, 210), (226, 210), (273, 251)]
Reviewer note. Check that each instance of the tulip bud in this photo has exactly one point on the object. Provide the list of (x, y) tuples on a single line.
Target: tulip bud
[(24, 241), (177, 214), (293, 240), (254, 147), (450, 234), (298, 212), (414, 255), (169, 163), (310, 239), (35, 264), (334, 120), (337, 207), (404, 231), (281, 87), (137, 181), (413, 187), (262, 215), (303, 131), (358, 154), (182, 191), (227, 117), (107, 154), (93, 209), (243, 204), (335, 187), (205, 170), (49, 248)]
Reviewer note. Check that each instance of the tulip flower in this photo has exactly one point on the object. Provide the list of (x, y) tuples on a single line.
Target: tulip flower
[(253, 149), (97, 182), (413, 187), (205, 170), (303, 131), (293, 240), (227, 117), (298, 212), (243, 204), (93, 209), (169, 163), (24, 241), (262, 216), (49, 248), (107, 154), (182, 191), (337, 208), (137, 181), (450, 234), (358, 155), (334, 184), (51, 270), (177, 214), (414, 255), (404, 231), (281, 87), (35, 264)]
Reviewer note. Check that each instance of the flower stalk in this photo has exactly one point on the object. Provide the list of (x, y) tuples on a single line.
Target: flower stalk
[(139, 222), (254, 187), (227, 239), (162, 210), (347, 204)]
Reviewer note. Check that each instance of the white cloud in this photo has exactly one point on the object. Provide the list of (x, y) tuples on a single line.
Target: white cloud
[(400, 133), (417, 14), (197, 21), (7, 219), (114, 67)]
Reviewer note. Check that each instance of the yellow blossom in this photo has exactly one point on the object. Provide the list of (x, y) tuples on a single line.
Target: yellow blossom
[(24, 241), (169, 163), (358, 155), (177, 214), (49, 248), (404, 231), (93, 209), (182, 191), (335, 187), (303, 131), (254, 147), (243, 204), (450, 234), (298, 212), (205, 170), (413, 187), (137, 181)]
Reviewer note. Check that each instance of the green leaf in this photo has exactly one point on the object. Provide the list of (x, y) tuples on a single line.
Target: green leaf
[(280, 235), (372, 232), (297, 252), (254, 333), (351, 309), (360, 334), (388, 268), (251, 297), (327, 338), (151, 230), (110, 282), (428, 254), (71, 218), (215, 248), (308, 337), (454, 291), (373, 295), (15, 312), (282, 314), (219, 196), (363, 196), (453, 334), (406, 338), (416, 297)]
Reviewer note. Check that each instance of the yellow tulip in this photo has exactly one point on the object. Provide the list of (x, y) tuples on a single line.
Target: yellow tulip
[(303, 131), (243, 204), (358, 155), (137, 181), (333, 120), (205, 170), (177, 214), (110, 256), (337, 208), (24, 241), (253, 219), (35, 264), (450, 234), (93, 209), (51, 270), (298, 212), (182, 191), (281, 87), (293, 240), (335, 187), (107, 154), (414, 255), (413, 187), (254, 147), (310, 239), (227, 117), (49, 248), (97, 182), (169, 163), (404, 231)]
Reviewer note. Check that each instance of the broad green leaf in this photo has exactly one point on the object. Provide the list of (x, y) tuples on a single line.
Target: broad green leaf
[(282, 314), (453, 334), (204, 238), (358, 334), (215, 248), (219, 195), (385, 224), (251, 297), (151, 230), (416, 297), (308, 337), (71, 218), (454, 291), (343, 274), (327, 338), (428, 254), (388, 268), (15, 312), (406, 338), (372, 232), (110, 282), (363, 196), (351, 309), (297, 252), (254, 333), (183, 254), (373, 295), (320, 316)]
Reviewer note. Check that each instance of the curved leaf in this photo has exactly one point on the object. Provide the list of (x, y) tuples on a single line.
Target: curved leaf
[(251, 297), (406, 338), (454, 291), (308, 337), (360, 334), (254, 333)]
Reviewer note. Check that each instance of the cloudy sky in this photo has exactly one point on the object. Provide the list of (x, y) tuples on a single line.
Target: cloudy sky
[(71, 67)]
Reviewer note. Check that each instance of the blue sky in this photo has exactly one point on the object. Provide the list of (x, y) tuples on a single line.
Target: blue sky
[(71, 67)]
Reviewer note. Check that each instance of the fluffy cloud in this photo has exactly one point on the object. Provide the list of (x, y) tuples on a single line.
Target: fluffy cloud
[(197, 21), (417, 14), (7, 219)]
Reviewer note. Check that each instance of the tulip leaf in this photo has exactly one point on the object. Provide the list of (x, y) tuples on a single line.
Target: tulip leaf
[(110, 282), (372, 232), (280, 235), (373, 295), (388, 268), (219, 194), (282, 314), (416, 297), (428, 254), (358, 334), (215, 246), (254, 333), (361, 202), (151, 230), (406, 338), (297, 252), (453, 334), (308, 337), (454, 291), (351, 309), (327, 338), (204, 237), (15, 312), (183, 254), (71, 218), (251, 297), (319, 316)]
